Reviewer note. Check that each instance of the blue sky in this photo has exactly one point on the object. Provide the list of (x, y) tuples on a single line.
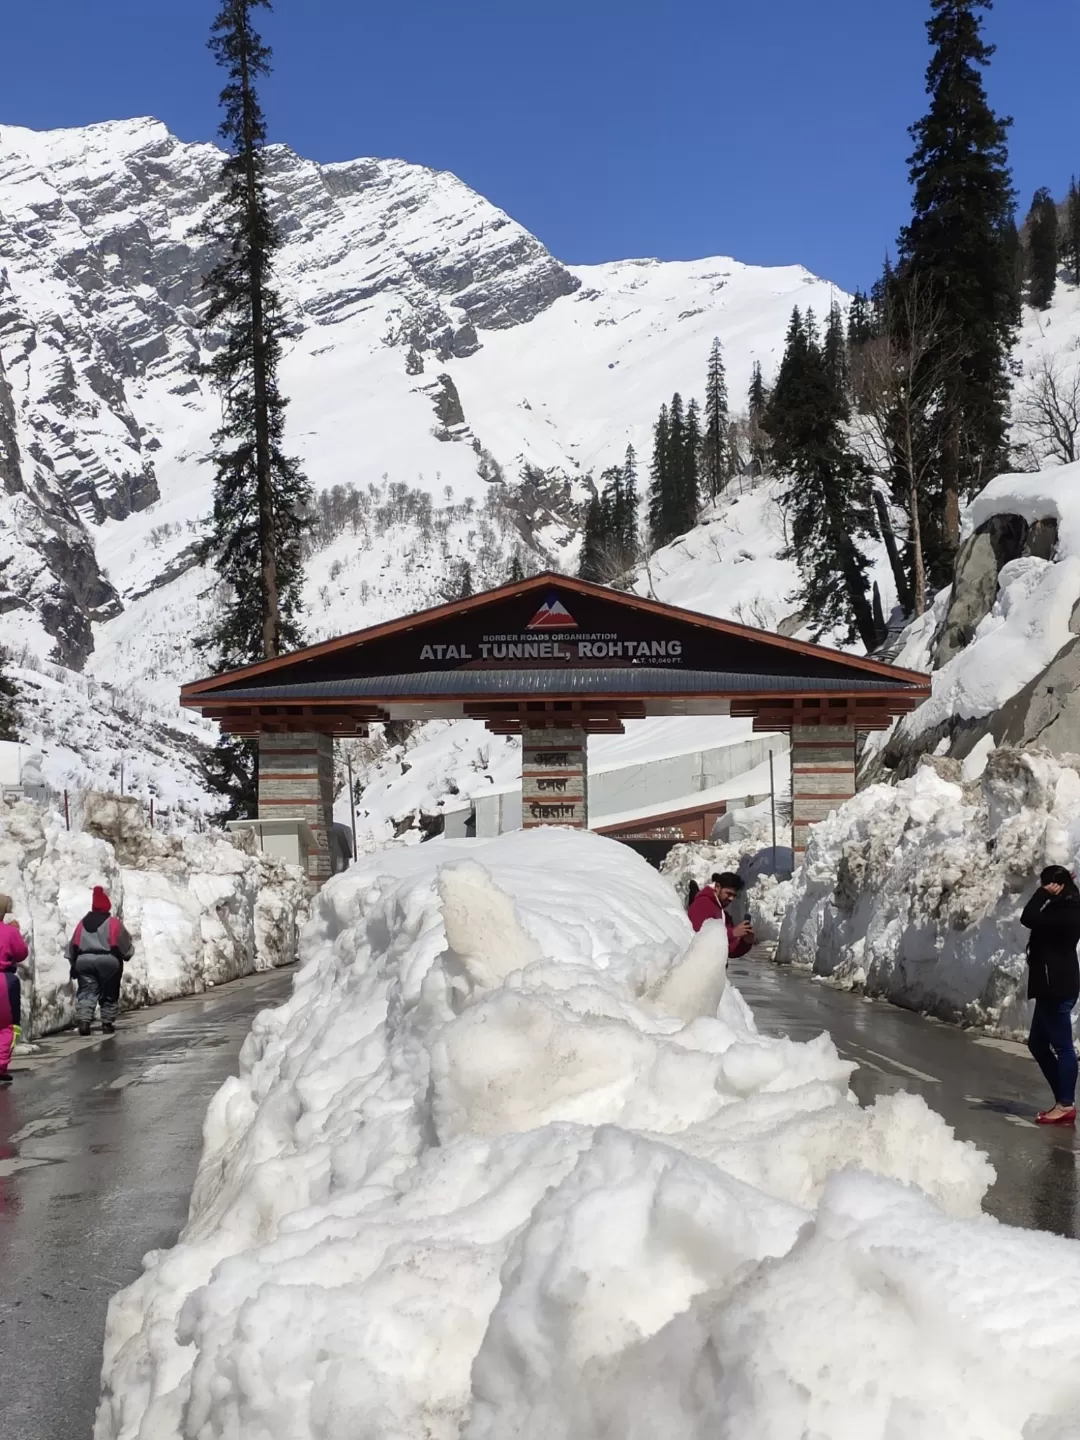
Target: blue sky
[(774, 132)]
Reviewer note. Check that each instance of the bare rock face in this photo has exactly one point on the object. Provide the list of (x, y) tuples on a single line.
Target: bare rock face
[(100, 296), (979, 562), (1045, 713)]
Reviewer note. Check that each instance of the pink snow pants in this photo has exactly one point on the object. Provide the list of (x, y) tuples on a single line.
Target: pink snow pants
[(7, 1042)]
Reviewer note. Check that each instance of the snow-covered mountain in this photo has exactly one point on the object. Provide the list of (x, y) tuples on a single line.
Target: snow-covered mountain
[(438, 352)]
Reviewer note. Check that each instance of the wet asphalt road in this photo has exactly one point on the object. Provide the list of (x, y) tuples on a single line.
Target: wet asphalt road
[(99, 1141), (988, 1090)]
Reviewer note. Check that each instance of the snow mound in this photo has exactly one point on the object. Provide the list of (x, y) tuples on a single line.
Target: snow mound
[(510, 1144), (200, 908), (914, 891)]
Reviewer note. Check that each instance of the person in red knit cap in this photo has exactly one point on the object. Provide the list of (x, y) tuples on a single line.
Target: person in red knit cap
[(97, 952), (13, 952)]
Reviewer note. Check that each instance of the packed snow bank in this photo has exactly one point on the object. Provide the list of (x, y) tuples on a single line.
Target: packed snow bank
[(514, 1144), (914, 891), (200, 908)]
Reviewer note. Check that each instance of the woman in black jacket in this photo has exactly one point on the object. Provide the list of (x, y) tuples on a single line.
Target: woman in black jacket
[(1053, 917)]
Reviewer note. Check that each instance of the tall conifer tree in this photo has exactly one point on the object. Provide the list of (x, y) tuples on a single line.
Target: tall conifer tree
[(627, 519), (827, 498), (689, 470), (834, 353), (1042, 249), (757, 404), (660, 481), (956, 242), (860, 326), (9, 701), (261, 498), (716, 458), (1070, 244)]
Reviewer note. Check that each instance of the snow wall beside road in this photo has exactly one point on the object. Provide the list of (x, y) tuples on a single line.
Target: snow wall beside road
[(914, 891), (201, 909), (513, 1161)]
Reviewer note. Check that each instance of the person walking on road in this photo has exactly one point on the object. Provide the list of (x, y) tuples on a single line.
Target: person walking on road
[(13, 952), (97, 952), (713, 901), (1053, 917)]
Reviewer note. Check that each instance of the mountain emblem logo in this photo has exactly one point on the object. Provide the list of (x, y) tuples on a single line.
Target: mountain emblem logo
[(552, 615)]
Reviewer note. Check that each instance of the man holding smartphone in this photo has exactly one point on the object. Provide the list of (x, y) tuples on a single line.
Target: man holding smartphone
[(713, 901)]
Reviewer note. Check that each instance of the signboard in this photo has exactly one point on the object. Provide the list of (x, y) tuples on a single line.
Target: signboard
[(553, 789), (550, 631), (552, 636)]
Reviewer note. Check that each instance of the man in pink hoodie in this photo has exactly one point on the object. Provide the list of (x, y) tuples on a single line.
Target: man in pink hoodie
[(13, 952)]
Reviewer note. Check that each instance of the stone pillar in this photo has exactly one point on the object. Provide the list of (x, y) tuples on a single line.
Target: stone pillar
[(296, 782), (822, 776), (554, 778)]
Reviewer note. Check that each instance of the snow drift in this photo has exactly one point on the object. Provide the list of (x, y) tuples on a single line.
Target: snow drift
[(201, 909), (514, 1161), (914, 891)]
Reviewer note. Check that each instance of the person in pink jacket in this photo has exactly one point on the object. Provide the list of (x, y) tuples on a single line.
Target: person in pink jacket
[(13, 952)]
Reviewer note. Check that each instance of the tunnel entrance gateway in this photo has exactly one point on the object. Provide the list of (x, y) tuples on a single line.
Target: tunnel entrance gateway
[(553, 660)]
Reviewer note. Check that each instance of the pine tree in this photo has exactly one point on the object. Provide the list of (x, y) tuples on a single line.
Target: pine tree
[(860, 323), (628, 516), (516, 571), (834, 352), (261, 498), (9, 701), (1016, 267), (757, 405), (1070, 240), (689, 470), (1042, 249), (659, 480), (957, 242), (827, 498), (465, 581), (590, 561), (716, 459)]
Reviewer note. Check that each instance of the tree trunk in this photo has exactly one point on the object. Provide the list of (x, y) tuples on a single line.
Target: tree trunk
[(844, 547), (918, 562), (896, 562), (880, 624), (261, 391)]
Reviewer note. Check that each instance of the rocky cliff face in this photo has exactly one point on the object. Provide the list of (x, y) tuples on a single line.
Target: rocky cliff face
[(99, 306)]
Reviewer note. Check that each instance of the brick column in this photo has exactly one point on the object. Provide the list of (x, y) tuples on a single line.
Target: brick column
[(296, 781), (822, 776), (554, 778)]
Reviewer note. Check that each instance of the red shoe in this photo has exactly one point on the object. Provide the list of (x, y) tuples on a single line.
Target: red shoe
[(1067, 1117)]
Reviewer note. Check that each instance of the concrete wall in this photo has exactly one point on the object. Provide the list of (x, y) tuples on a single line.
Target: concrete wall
[(653, 782)]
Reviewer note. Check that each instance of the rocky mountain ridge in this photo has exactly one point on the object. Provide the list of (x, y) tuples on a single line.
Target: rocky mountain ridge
[(99, 304)]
